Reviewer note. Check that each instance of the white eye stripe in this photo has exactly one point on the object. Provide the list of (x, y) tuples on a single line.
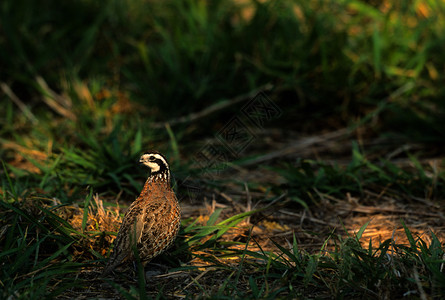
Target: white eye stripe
[(150, 159), (160, 157)]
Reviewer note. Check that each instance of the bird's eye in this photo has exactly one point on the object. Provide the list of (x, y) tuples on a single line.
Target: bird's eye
[(151, 158)]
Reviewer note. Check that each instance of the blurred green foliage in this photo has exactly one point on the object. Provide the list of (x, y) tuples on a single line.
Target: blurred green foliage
[(343, 57), (83, 81)]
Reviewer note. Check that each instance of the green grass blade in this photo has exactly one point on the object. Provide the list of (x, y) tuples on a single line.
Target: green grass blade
[(85, 209), (214, 216), (47, 260), (11, 186), (410, 237), (362, 229), (137, 143)]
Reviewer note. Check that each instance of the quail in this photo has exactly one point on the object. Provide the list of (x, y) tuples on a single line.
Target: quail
[(152, 221)]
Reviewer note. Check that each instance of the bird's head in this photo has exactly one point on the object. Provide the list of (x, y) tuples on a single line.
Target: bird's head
[(157, 163)]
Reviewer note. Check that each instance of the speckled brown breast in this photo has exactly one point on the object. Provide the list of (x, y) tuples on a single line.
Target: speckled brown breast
[(160, 220)]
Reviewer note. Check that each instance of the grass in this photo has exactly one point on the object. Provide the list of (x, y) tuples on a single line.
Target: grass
[(307, 178), (86, 87)]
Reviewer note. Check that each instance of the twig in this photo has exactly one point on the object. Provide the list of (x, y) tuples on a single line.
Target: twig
[(214, 108), (386, 189), (172, 274), (230, 200), (276, 200), (298, 146), (314, 220), (195, 280), (371, 209), (26, 111)]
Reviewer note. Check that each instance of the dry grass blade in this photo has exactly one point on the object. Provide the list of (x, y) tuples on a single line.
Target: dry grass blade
[(60, 104)]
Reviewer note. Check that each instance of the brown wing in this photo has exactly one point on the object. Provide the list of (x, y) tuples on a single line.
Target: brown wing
[(128, 235)]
